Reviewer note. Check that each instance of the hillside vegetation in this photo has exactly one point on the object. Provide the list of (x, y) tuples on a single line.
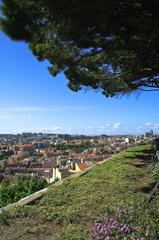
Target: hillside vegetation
[(69, 211), (10, 193)]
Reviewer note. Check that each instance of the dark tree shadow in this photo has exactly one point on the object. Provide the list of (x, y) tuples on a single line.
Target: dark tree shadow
[(145, 151), (139, 164), (148, 188), (142, 158)]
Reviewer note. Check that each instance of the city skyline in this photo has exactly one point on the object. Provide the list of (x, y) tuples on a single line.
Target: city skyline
[(31, 100)]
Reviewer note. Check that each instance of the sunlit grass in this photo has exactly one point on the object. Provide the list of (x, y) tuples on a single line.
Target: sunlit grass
[(79, 202)]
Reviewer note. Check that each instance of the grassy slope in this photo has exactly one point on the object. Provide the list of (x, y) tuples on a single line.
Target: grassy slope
[(78, 203)]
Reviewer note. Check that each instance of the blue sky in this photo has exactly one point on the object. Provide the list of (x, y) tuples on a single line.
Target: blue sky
[(32, 100)]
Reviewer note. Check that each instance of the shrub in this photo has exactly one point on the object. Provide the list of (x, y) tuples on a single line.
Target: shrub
[(3, 217), (21, 189), (155, 166)]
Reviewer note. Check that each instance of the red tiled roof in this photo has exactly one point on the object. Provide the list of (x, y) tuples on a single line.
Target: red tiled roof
[(83, 166)]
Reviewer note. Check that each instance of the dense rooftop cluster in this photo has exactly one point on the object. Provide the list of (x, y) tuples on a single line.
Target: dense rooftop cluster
[(52, 156)]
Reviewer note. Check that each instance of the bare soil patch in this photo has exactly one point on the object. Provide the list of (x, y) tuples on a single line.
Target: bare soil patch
[(28, 229)]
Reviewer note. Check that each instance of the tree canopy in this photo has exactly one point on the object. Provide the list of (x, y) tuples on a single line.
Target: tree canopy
[(108, 45)]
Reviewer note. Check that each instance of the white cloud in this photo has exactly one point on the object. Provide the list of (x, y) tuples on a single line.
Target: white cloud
[(31, 109), (55, 108), (29, 115), (139, 128), (151, 125), (89, 127), (101, 127), (86, 127), (155, 126), (148, 124), (105, 126), (116, 125), (57, 129), (7, 116), (69, 130)]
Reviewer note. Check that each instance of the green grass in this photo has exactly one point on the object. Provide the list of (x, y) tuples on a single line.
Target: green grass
[(79, 202)]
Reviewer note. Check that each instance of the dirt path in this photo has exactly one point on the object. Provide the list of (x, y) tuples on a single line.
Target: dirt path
[(27, 229)]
